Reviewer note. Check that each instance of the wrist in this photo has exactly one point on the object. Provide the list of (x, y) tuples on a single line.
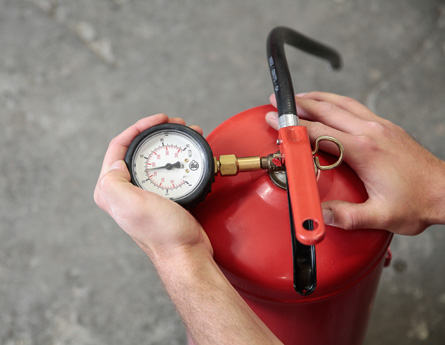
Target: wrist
[(436, 199), (212, 310), (185, 258), (181, 239)]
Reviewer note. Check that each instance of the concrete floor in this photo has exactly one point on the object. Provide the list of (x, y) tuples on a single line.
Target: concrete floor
[(73, 74)]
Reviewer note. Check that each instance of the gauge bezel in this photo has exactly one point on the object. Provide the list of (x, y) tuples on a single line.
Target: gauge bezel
[(208, 177)]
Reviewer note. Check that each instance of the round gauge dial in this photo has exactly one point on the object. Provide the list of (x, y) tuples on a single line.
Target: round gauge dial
[(173, 161)]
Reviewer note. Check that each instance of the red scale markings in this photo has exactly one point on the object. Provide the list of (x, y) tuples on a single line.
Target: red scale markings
[(153, 164)]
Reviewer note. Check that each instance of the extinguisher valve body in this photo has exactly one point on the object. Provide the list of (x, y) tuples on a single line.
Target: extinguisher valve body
[(229, 165)]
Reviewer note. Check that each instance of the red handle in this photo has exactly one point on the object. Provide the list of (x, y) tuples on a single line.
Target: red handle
[(302, 184)]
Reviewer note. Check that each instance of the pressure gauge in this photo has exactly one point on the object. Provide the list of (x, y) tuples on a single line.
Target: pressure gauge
[(173, 161)]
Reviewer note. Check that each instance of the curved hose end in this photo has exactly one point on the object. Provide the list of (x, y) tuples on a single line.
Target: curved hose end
[(335, 61)]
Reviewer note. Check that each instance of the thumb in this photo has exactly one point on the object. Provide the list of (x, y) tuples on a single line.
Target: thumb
[(119, 168), (272, 119), (113, 182), (351, 216)]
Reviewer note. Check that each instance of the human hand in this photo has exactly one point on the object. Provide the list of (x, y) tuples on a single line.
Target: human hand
[(179, 249), (405, 182), (158, 225)]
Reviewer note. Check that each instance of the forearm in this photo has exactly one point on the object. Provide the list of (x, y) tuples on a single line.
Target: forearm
[(212, 310), (179, 248)]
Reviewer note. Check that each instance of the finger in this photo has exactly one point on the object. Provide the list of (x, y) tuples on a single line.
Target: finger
[(119, 145), (181, 121), (346, 103), (326, 112), (330, 115), (317, 129), (273, 100), (176, 120), (352, 216), (314, 129), (198, 129)]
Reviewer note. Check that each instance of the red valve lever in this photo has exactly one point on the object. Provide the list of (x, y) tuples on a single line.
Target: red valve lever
[(302, 184)]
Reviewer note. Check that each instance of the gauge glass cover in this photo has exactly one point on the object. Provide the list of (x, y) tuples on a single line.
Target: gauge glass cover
[(170, 163)]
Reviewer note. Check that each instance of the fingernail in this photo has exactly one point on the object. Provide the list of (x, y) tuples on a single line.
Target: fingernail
[(301, 94), (272, 115), (328, 216)]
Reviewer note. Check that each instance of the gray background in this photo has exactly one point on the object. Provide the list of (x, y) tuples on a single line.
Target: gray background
[(73, 74)]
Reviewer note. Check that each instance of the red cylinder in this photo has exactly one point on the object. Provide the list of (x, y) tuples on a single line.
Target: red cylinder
[(247, 220)]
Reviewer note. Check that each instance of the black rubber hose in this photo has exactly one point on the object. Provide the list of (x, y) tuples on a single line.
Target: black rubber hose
[(279, 69), (304, 262)]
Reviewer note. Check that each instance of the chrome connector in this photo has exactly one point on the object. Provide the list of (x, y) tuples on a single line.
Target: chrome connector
[(287, 120)]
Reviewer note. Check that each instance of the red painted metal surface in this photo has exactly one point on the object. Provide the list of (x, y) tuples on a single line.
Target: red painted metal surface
[(246, 218)]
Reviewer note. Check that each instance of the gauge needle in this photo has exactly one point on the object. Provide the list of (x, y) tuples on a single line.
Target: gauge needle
[(168, 166)]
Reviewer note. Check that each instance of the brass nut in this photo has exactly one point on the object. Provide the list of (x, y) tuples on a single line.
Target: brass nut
[(228, 165)]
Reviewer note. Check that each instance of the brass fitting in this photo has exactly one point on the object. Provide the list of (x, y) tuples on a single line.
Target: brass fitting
[(229, 165), (272, 162)]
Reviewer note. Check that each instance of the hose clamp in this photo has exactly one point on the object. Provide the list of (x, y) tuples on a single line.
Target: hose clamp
[(287, 120)]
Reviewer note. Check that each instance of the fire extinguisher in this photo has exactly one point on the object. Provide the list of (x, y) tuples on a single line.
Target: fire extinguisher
[(309, 283)]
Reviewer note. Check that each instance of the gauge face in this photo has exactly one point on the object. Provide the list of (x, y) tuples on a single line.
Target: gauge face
[(173, 161)]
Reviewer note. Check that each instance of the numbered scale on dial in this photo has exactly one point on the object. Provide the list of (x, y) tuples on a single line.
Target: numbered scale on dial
[(173, 161)]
